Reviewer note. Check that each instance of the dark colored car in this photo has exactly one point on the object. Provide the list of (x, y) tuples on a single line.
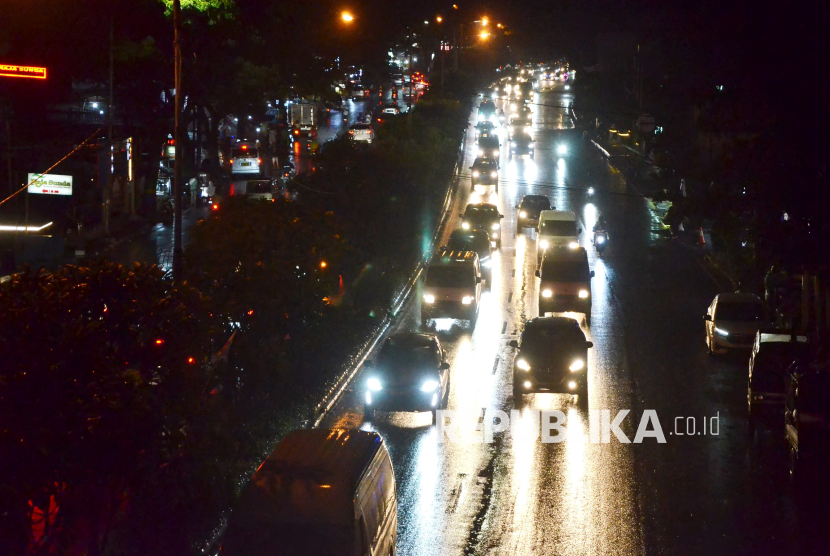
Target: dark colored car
[(807, 419), (410, 374), (529, 209), (772, 354), (489, 146), (472, 240), (485, 172), (485, 128), (565, 282), (552, 357), (521, 145), (485, 217)]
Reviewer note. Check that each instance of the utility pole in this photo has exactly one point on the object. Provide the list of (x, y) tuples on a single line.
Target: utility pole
[(107, 192), (9, 148), (177, 139)]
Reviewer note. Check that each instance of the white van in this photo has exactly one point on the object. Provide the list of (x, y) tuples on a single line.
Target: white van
[(322, 492), (245, 159), (557, 228)]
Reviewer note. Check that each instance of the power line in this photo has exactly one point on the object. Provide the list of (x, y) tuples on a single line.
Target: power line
[(76, 149)]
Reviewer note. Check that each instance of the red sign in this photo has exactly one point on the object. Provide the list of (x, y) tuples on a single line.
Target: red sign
[(29, 72)]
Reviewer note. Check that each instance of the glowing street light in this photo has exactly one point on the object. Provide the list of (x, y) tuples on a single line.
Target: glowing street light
[(484, 22), (500, 26), (347, 17), (439, 19), (455, 6), (483, 35)]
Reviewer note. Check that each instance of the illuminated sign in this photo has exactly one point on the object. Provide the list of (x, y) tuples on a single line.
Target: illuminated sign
[(30, 72), (50, 184)]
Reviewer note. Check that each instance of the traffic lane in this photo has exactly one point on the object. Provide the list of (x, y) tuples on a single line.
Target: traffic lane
[(510, 483)]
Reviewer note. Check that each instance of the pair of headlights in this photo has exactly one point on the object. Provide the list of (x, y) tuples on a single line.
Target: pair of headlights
[(548, 293), (576, 365), (375, 385), (429, 299)]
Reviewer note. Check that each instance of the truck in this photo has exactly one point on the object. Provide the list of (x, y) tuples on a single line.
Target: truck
[(301, 116)]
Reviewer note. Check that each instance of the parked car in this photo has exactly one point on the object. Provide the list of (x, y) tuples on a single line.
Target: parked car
[(411, 374), (772, 354), (320, 492), (731, 322)]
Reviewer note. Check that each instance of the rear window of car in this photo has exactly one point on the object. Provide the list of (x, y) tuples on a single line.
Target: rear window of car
[(361, 126), (393, 354), (477, 242), (238, 152), (558, 228), (481, 212), (738, 311), (543, 204), (486, 166), (455, 276)]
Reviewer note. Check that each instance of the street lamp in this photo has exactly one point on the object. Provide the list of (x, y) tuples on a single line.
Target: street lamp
[(439, 19), (484, 22), (483, 35), (346, 17)]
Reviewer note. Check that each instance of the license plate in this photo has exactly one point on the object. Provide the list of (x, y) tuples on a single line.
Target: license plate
[(246, 164)]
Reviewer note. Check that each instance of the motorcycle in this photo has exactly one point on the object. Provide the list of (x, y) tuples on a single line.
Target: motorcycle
[(600, 241)]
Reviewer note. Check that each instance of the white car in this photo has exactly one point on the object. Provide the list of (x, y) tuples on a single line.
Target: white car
[(391, 110), (361, 133), (732, 321)]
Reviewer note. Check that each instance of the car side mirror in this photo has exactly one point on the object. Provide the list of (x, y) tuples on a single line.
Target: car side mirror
[(444, 366), (707, 317), (501, 216), (592, 274), (513, 344), (478, 279), (537, 274), (589, 345)]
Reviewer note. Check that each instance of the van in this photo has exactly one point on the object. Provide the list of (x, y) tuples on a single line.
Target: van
[(244, 159), (772, 354), (565, 282), (321, 492), (452, 288), (557, 228)]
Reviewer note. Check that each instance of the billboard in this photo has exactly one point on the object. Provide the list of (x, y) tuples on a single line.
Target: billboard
[(50, 184), (31, 72)]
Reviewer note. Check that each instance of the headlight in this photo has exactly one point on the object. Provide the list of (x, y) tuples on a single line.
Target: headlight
[(429, 298), (493, 174), (523, 214), (573, 245), (528, 129), (543, 244), (512, 143), (495, 226), (562, 149), (495, 235), (577, 365), (465, 225), (374, 384), (547, 293), (466, 300), (429, 386), (523, 365), (600, 239), (475, 174), (496, 152), (486, 262), (481, 152), (583, 294), (721, 332)]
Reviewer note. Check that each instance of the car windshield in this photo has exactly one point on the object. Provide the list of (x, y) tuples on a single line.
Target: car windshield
[(481, 213), (558, 228), (535, 204), (488, 142), (738, 311), (565, 272), (395, 355), (258, 187), (238, 152), (551, 340), (450, 276), (484, 166), (477, 242)]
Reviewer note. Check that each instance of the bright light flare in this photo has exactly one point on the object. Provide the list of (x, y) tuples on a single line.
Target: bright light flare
[(346, 17)]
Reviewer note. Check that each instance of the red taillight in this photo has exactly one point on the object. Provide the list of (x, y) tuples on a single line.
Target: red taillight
[(259, 161), (296, 132), (351, 132), (215, 206), (231, 161), (244, 147)]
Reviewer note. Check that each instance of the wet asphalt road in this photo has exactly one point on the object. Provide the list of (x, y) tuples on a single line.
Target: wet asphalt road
[(696, 494)]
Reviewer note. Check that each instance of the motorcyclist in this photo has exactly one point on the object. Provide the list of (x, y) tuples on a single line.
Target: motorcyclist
[(600, 228)]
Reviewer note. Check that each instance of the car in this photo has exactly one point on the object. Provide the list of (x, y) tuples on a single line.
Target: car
[(410, 374), (244, 158), (361, 133), (359, 92), (521, 145), (485, 173), (731, 322), (565, 282), (772, 354), (530, 207), (317, 493), (483, 216), (557, 228), (486, 112), (489, 146), (472, 240), (259, 190), (552, 356), (485, 128), (807, 418), (391, 110), (452, 287), (397, 79)]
